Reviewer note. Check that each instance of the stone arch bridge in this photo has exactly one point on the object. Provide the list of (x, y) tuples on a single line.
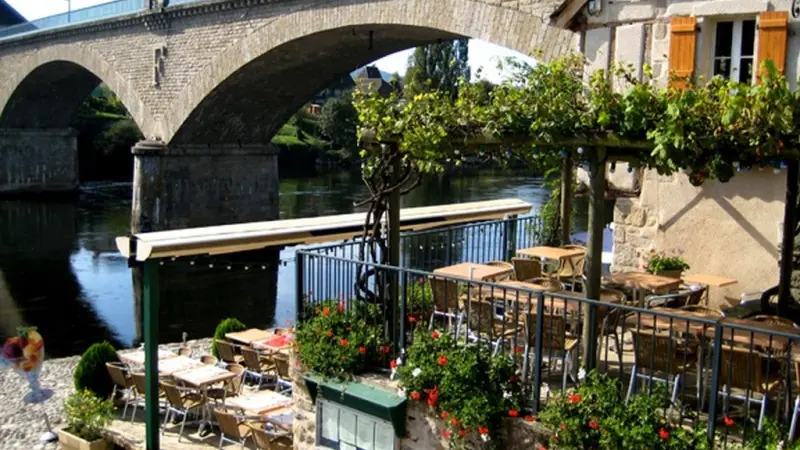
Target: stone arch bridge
[(210, 82)]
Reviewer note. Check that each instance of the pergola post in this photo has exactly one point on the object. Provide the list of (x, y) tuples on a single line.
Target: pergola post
[(787, 244), (151, 300), (594, 253), (566, 200)]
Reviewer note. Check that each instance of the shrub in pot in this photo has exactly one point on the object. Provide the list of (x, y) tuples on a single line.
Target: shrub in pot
[(660, 263), (229, 325), (86, 416), (91, 372)]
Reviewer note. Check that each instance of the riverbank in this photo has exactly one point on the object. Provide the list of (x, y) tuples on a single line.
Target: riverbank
[(21, 424)]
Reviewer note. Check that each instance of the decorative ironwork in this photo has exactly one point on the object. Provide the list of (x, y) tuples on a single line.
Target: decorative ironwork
[(795, 8)]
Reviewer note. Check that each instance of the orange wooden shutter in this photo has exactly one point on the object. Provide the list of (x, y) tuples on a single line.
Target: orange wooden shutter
[(773, 32), (682, 43)]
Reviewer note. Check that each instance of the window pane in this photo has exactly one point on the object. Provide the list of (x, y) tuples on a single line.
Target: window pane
[(330, 423), (347, 427), (384, 437), (366, 433), (746, 70), (724, 39), (748, 37), (722, 67)]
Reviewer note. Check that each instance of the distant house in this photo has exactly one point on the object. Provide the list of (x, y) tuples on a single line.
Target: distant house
[(336, 89), (370, 79)]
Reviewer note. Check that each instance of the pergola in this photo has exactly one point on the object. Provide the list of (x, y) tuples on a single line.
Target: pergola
[(147, 250)]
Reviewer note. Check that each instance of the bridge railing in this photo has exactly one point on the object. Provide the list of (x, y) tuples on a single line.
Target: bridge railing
[(97, 12)]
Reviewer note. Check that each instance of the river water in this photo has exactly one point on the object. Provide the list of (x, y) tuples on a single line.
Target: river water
[(60, 269)]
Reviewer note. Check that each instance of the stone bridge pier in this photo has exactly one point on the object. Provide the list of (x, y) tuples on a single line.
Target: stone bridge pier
[(183, 186), (38, 161)]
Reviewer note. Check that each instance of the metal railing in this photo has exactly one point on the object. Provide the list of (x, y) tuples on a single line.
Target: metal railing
[(712, 366), (97, 12)]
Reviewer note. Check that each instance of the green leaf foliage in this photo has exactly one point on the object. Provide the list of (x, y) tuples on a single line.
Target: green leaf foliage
[(87, 414), (91, 372), (229, 325)]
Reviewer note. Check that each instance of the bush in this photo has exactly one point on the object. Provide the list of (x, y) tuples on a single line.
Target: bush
[(229, 325), (87, 414), (336, 343), (91, 372)]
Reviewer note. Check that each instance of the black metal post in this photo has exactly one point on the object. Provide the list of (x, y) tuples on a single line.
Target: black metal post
[(151, 300), (566, 200), (299, 272), (511, 237), (394, 241), (537, 353), (716, 356), (787, 244)]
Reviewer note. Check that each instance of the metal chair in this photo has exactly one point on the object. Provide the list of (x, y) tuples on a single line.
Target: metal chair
[(446, 302), (742, 368), (209, 360), (233, 428), (658, 352), (232, 387), (227, 352), (140, 385), (484, 325), (705, 310), (556, 341), (526, 269), (256, 365), (180, 401), (264, 441), (774, 320), (505, 265), (678, 299), (283, 381), (123, 383), (609, 318), (571, 269), (185, 351)]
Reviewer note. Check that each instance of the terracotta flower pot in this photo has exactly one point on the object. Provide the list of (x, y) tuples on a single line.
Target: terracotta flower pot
[(71, 442)]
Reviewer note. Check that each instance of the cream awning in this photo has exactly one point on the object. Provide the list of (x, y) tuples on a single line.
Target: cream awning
[(255, 235)]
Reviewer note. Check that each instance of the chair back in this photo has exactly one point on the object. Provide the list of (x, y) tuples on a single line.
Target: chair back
[(505, 265), (554, 331), (608, 317), (117, 372), (659, 351), (261, 438), (527, 269), (282, 443), (741, 368), (565, 268), (705, 310), (481, 316), (235, 384), (696, 296), (185, 351), (228, 423), (173, 394), (139, 382), (251, 359), (445, 294), (209, 360), (225, 351), (281, 365)]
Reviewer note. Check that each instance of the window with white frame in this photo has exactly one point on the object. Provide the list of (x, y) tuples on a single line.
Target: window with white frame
[(343, 428), (734, 50)]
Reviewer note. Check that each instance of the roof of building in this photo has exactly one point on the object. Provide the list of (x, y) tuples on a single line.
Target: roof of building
[(370, 79), (10, 16)]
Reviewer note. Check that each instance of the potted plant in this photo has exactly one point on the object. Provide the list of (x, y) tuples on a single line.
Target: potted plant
[(659, 263), (86, 414)]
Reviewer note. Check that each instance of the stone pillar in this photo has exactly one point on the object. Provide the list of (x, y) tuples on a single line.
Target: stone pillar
[(194, 186), (38, 161)]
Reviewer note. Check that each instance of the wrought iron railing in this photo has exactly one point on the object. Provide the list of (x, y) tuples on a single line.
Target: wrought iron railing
[(712, 365)]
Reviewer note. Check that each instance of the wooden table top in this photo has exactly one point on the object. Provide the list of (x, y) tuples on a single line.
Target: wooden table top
[(177, 364), (550, 252), (276, 343), (688, 323), (708, 280), (259, 403), (136, 357), (481, 272), (283, 417), (248, 336), (203, 375), (644, 281)]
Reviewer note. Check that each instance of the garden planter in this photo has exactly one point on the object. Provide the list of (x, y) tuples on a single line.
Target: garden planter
[(670, 273), (71, 442)]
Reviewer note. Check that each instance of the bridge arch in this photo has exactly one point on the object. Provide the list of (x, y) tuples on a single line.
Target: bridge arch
[(254, 86), (45, 89)]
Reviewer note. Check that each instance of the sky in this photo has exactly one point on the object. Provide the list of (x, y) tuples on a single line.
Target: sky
[(481, 54)]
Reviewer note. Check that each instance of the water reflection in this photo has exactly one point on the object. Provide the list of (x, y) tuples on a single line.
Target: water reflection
[(60, 270)]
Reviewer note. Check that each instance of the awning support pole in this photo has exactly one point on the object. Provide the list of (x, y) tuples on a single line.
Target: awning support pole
[(151, 300), (594, 253)]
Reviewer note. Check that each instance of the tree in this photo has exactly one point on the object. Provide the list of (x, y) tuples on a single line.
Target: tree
[(338, 122), (439, 67)]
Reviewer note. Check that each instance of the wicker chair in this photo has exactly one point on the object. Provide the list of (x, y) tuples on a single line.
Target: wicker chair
[(123, 383), (209, 360), (557, 342), (140, 385), (446, 302), (608, 319), (505, 265), (774, 320), (526, 269), (679, 299), (283, 382), (185, 351), (705, 310), (257, 366), (227, 352), (571, 269), (484, 325), (658, 352), (741, 368), (264, 441), (233, 428), (232, 387), (180, 401)]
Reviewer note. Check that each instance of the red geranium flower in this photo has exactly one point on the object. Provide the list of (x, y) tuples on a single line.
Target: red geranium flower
[(329, 334), (343, 342), (728, 421), (326, 311), (444, 415), (519, 349), (421, 279), (412, 319), (513, 413), (341, 307), (541, 447), (393, 364), (455, 422), (442, 360), (462, 432), (433, 396), (435, 335), (445, 434), (574, 398), (593, 424), (415, 396), (663, 434), (483, 430), (530, 418), (387, 349), (563, 427), (362, 349)]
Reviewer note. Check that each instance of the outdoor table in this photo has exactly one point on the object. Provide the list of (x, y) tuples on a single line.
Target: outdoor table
[(247, 336), (283, 417), (762, 341), (136, 357), (687, 322), (640, 281), (167, 367), (708, 281), (259, 403), (201, 378), (480, 272), (552, 253), (278, 343)]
